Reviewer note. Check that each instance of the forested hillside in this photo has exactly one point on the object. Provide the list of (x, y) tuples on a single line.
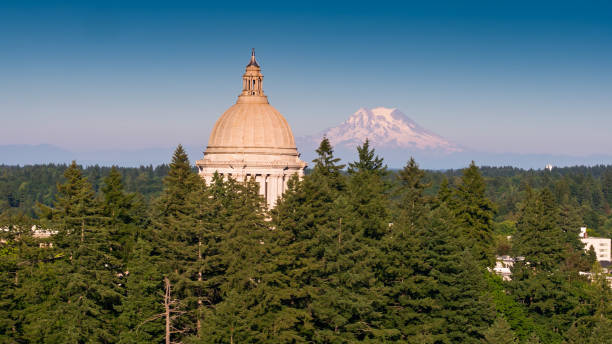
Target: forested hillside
[(588, 190), (21, 188), (585, 190), (352, 253)]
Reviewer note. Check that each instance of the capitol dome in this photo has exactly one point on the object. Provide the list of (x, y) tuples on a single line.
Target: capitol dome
[(252, 127), (253, 140)]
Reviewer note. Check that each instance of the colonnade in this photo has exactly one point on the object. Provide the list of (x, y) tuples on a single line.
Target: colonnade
[(271, 185)]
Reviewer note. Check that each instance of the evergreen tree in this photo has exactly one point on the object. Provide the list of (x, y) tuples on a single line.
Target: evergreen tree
[(177, 236), (180, 182), (607, 186), (327, 169), (368, 161), (348, 310), (408, 286), (429, 277), (309, 221), (551, 293), (539, 237), (140, 313), (413, 204), (72, 297), (460, 282), (117, 204), (499, 333), (475, 213), (236, 268), (367, 194), (76, 205)]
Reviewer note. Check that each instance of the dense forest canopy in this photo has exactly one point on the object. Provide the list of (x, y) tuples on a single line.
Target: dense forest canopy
[(588, 189), (351, 253)]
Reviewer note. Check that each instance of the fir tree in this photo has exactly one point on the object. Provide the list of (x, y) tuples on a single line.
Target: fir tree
[(607, 186), (549, 292), (80, 289), (428, 276), (235, 267), (117, 204), (459, 280), (539, 237), (177, 235), (308, 221), (475, 212), (367, 194), (499, 333), (412, 201), (368, 161), (178, 185), (349, 308), (76, 206), (326, 167), (140, 311)]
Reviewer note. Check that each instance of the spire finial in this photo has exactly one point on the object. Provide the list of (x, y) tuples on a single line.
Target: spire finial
[(253, 62), (252, 80)]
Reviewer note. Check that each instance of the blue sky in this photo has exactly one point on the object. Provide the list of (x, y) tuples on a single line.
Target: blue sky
[(500, 76)]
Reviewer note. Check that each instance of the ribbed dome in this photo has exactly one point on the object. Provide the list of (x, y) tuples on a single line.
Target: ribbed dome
[(251, 125)]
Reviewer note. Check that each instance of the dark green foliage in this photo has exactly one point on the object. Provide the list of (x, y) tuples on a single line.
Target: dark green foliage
[(367, 194), (117, 205), (475, 213), (584, 189), (539, 237), (312, 240), (413, 204), (139, 319), (21, 188), (546, 282), (499, 333), (511, 309), (362, 255), (429, 276), (76, 307)]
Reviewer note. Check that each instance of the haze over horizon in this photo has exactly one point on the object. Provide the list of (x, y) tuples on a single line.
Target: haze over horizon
[(503, 78)]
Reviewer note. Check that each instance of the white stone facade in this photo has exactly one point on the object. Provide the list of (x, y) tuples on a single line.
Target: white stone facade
[(272, 179), (602, 247)]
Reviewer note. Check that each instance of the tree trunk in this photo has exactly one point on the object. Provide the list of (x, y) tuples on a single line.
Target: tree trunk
[(167, 308), (340, 233), (82, 230), (199, 324)]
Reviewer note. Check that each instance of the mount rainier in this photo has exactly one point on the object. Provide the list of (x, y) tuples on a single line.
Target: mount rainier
[(385, 128), (394, 135)]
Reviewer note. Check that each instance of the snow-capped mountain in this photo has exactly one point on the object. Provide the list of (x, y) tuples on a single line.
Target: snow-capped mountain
[(386, 128)]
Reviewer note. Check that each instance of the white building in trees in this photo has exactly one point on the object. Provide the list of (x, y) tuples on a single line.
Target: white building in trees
[(602, 246)]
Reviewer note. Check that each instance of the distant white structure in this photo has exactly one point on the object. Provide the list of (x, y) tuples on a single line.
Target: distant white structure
[(503, 266), (38, 233), (549, 167), (602, 246)]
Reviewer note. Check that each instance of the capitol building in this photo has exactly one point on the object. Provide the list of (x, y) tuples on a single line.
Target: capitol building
[(253, 140)]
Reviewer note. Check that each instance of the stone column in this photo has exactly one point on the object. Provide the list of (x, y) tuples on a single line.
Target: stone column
[(262, 184), (273, 190), (279, 185), (285, 180)]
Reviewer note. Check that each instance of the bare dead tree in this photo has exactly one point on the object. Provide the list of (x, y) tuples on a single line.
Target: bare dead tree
[(171, 312), (199, 324)]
